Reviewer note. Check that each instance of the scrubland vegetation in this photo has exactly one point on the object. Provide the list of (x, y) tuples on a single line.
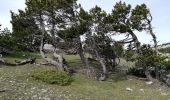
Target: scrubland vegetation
[(59, 51)]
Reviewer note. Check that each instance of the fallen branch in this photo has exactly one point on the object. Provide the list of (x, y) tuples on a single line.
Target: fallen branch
[(2, 90), (19, 63)]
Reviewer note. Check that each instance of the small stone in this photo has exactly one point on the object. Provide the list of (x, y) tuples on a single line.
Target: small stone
[(129, 89), (33, 88), (34, 96), (38, 64), (164, 94), (43, 90), (149, 83), (142, 90)]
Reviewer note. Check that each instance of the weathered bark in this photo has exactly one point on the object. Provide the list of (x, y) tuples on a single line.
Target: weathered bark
[(102, 63), (157, 72), (136, 42), (58, 64), (81, 54), (150, 29), (103, 76), (155, 46), (100, 60), (148, 75), (19, 63), (80, 50), (156, 50), (87, 63), (90, 72), (137, 46), (53, 28), (61, 60)]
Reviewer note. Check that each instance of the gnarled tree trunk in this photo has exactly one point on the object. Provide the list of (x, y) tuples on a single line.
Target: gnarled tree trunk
[(80, 50), (150, 29), (58, 63), (102, 63), (148, 75), (137, 46), (156, 49)]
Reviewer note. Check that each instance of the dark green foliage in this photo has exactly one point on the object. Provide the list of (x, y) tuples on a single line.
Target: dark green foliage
[(139, 15), (124, 19), (62, 22), (80, 27), (150, 61), (25, 33), (129, 55), (166, 65), (149, 57), (139, 72), (6, 41), (53, 77), (118, 49), (165, 50)]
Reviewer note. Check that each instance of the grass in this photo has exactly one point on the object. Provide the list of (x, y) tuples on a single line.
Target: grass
[(73, 61), (18, 85)]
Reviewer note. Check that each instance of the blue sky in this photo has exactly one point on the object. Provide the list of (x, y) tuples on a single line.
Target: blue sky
[(160, 10)]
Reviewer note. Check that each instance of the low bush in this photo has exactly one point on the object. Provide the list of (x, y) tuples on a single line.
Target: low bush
[(165, 50), (53, 77), (139, 72), (166, 65)]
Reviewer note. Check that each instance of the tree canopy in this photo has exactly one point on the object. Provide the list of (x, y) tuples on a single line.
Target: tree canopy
[(69, 28)]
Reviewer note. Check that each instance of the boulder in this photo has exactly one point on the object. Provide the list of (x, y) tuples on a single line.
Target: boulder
[(48, 48)]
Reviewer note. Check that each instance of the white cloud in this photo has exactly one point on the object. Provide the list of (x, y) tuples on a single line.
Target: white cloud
[(5, 7)]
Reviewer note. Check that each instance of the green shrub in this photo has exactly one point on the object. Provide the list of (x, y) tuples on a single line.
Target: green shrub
[(165, 50), (139, 72), (166, 65), (53, 77), (129, 55)]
